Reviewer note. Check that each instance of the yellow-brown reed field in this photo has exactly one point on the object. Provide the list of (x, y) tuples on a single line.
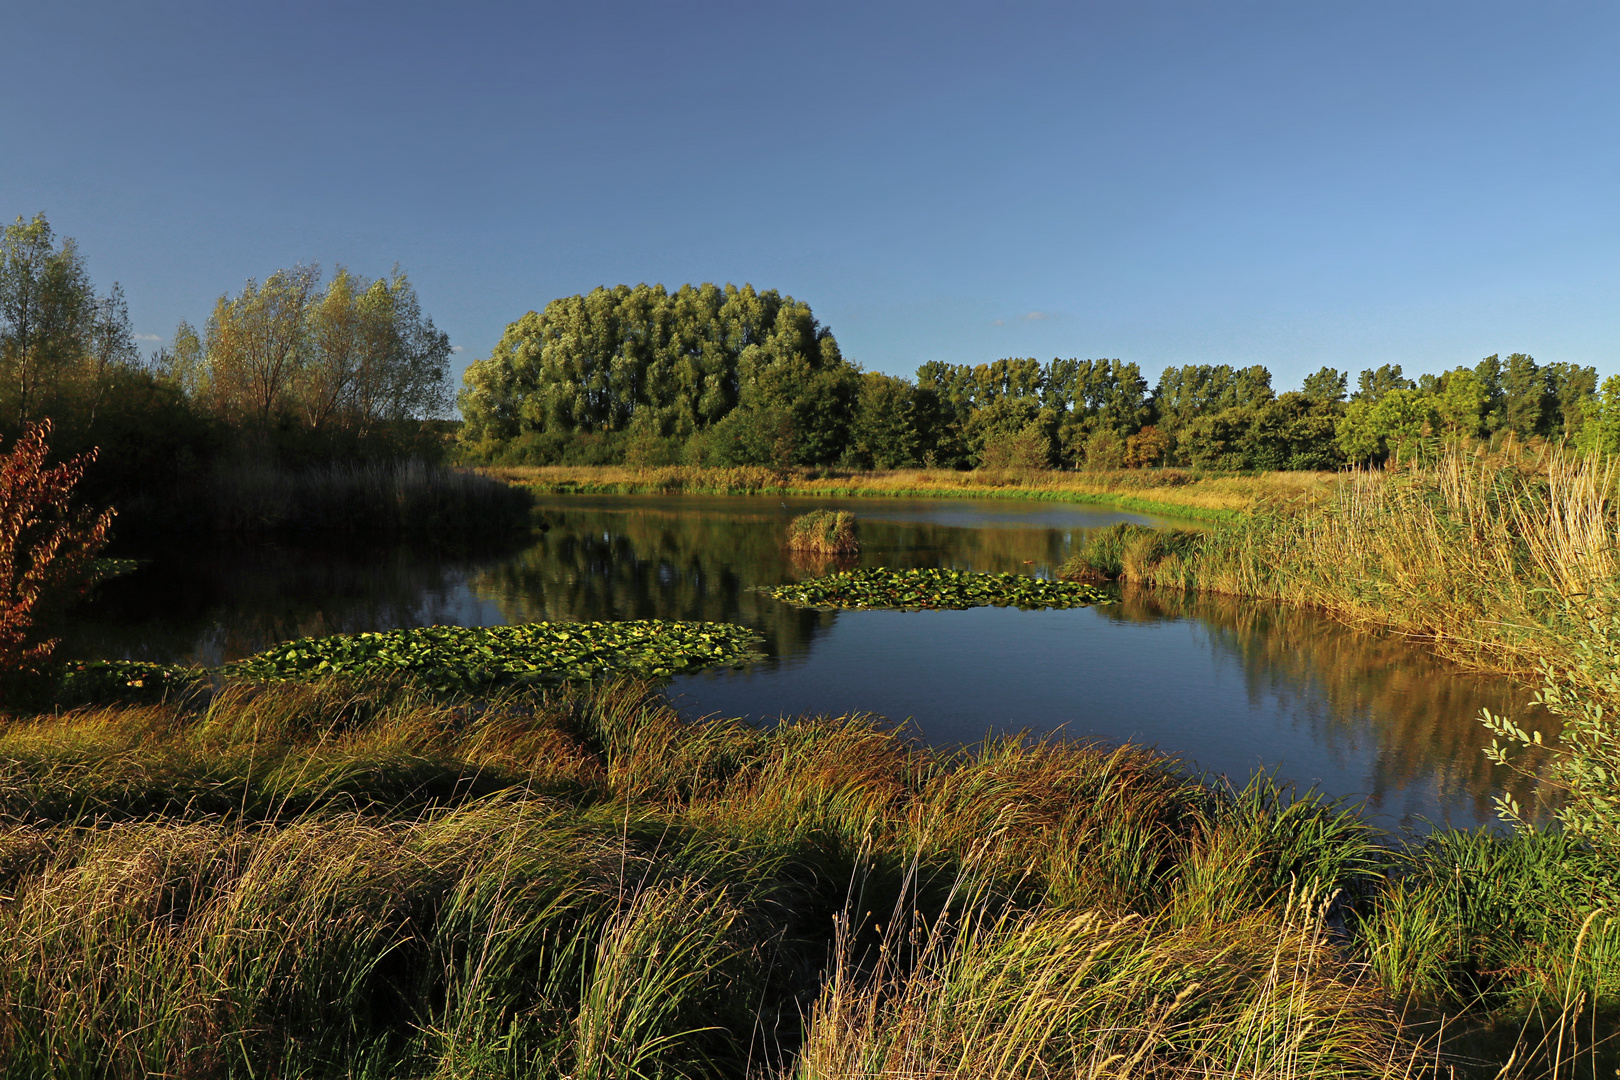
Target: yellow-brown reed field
[(1486, 558), (1176, 492)]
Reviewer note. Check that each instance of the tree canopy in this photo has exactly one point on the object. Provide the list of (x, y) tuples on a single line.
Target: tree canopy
[(672, 365), (712, 375)]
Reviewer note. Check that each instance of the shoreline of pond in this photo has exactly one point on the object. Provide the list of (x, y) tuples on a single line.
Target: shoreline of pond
[(1178, 493)]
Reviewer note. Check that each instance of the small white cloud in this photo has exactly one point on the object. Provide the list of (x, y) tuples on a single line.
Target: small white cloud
[(147, 337), (456, 348), (998, 322), (1035, 316)]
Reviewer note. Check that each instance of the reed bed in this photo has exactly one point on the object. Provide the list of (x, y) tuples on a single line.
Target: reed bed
[(1486, 560), (342, 497), (1174, 492), (366, 879)]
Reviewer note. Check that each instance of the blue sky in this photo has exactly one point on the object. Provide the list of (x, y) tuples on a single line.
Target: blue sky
[(1285, 184)]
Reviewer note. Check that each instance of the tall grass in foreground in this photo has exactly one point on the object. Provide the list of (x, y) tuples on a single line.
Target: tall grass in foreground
[(360, 880), (364, 880)]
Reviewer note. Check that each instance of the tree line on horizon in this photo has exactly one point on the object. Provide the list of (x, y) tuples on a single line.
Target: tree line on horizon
[(705, 375), (291, 370)]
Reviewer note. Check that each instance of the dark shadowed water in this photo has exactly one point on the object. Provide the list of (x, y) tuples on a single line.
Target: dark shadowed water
[(1230, 686)]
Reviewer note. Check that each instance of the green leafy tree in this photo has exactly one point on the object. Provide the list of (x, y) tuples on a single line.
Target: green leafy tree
[(1295, 432), (988, 404), (373, 357), (1086, 396), (1460, 402), (1188, 400), (1218, 440), (257, 343), (943, 407), (1372, 385), (48, 312), (1359, 438), (1404, 417), (182, 363), (1600, 430), (677, 363), (1527, 398), (884, 433), (1494, 413), (1573, 393), (1199, 389), (1326, 385), (1394, 426)]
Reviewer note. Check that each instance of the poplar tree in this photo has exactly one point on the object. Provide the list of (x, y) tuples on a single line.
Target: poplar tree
[(47, 311)]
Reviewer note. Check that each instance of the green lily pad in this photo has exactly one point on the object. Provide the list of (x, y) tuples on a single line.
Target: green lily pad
[(929, 589), (460, 658)]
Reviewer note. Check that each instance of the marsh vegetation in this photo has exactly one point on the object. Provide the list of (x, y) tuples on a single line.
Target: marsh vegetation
[(367, 879), (824, 532)]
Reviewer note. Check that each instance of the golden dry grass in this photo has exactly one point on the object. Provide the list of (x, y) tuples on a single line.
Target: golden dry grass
[(1169, 491)]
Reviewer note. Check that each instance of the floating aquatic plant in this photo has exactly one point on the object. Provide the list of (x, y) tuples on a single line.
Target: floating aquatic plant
[(935, 588), (460, 658)]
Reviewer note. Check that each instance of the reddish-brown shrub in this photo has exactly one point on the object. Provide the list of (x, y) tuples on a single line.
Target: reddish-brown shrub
[(47, 545)]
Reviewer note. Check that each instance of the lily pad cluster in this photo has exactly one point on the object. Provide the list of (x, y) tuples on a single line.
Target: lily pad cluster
[(96, 682), (933, 588), (458, 658)]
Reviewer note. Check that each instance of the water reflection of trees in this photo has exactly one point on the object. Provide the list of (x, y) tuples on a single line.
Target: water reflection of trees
[(613, 559), (1350, 685), (221, 602), (660, 559)]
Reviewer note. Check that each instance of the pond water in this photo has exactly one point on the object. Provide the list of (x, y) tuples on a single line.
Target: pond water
[(1229, 686)]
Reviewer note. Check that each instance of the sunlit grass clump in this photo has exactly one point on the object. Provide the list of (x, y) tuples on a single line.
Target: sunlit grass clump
[(824, 532)]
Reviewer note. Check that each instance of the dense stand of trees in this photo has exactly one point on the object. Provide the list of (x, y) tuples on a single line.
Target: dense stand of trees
[(717, 375), (706, 375), (290, 370)]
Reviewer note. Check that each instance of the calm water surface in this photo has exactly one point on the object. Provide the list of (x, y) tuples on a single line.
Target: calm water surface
[(1230, 686)]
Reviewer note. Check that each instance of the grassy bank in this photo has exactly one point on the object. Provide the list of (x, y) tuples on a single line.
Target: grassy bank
[(1493, 562), (1174, 492), (363, 880)]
